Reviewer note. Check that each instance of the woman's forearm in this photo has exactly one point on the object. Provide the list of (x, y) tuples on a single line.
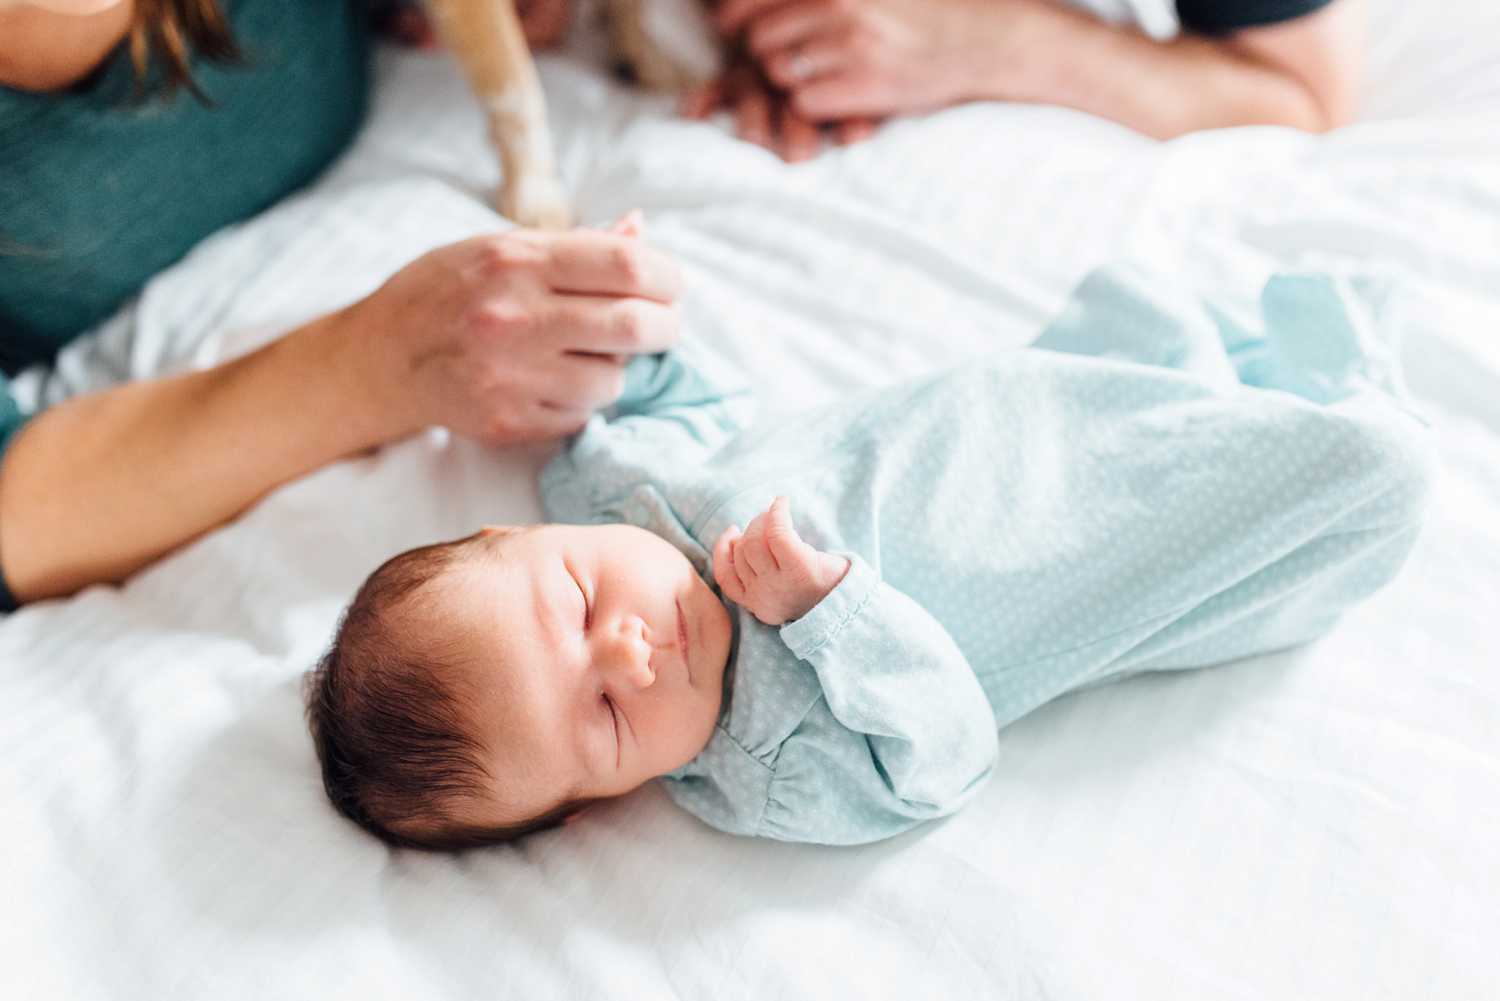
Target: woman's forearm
[(507, 337), (1303, 74), (97, 487)]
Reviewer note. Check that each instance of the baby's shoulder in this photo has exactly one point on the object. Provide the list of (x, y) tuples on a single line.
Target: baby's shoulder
[(770, 692)]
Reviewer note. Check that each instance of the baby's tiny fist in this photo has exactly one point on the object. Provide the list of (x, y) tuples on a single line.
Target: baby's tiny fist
[(770, 571)]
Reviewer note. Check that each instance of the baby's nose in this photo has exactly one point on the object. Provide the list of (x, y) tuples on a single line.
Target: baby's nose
[(632, 652)]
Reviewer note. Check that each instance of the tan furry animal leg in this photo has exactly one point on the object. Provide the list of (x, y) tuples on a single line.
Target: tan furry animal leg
[(486, 37)]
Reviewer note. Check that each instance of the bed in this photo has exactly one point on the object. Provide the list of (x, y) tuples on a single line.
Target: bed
[(1323, 823)]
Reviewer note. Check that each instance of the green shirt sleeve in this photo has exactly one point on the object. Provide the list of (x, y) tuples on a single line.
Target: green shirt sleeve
[(11, 417), (11, 420)]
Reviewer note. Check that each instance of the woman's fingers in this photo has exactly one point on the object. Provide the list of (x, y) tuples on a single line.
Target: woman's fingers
[(596, 324), (532, 421), (555, 421), (582, 383), (631, 224), (487, 346), (598, 263)]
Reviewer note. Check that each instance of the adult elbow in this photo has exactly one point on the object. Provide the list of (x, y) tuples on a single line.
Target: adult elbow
[(1320, 112)]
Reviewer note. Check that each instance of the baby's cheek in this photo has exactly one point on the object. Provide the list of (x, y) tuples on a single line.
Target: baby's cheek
[(684, 732)]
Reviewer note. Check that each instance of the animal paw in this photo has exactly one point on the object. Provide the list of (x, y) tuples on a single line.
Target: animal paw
[(535, 202)]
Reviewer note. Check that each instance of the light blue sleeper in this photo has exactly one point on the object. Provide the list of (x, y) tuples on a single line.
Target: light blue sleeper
[(1151, 488)]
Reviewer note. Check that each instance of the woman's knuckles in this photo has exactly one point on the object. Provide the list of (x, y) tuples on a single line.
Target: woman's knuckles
[(504, 318), (627, 262), (501, 256), (629, 325)]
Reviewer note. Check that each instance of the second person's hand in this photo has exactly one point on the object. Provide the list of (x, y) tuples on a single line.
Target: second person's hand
[(763, 114), (841, 59)]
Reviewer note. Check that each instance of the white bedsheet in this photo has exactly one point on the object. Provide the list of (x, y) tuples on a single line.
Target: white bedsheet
[(1318, 824)]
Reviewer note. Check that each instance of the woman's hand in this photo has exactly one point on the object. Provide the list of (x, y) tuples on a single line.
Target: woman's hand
[(519, 336), (842, 59), (510, 338), (770, 571)]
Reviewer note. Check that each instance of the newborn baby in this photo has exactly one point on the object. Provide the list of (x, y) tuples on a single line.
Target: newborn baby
[(562, 663), (1158, 489)]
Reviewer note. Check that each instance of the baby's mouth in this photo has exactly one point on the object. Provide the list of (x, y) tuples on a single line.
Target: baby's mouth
[(683, 644)]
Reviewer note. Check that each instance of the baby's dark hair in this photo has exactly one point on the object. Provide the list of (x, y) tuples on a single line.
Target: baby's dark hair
[(396, 749)]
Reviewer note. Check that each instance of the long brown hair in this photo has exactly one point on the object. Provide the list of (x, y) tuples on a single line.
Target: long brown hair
[(171, 33)]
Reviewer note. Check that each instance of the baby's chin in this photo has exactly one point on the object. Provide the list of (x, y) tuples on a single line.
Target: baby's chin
[(718, 637)]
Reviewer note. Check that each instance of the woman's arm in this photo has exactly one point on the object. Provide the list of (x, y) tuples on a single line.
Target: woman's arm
[(95, 488), (510, 338)]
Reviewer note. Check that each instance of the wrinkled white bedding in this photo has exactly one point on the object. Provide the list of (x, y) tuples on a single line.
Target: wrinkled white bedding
[(1318, 824)]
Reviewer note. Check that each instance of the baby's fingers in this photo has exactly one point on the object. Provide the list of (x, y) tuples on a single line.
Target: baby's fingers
[(752, 551), (785, 545), (725, 573)]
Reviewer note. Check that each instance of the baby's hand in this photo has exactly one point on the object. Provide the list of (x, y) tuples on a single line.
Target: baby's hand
[(770, 571)]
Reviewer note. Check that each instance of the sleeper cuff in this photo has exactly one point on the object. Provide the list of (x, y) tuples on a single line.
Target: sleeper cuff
[(828, 617)]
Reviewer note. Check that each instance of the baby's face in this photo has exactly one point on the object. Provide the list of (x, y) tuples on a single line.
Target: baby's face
[(597, 654)]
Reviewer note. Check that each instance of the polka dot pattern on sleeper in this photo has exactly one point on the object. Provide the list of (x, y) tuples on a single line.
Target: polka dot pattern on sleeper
[(1115, 501)]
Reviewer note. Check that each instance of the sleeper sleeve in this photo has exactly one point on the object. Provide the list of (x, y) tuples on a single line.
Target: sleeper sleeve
[(908, 736), (672, 414)]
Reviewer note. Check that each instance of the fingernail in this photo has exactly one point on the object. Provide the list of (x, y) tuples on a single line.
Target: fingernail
[(628, 224)]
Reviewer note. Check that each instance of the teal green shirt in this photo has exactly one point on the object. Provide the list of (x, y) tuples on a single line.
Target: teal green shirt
[(99, 190)]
